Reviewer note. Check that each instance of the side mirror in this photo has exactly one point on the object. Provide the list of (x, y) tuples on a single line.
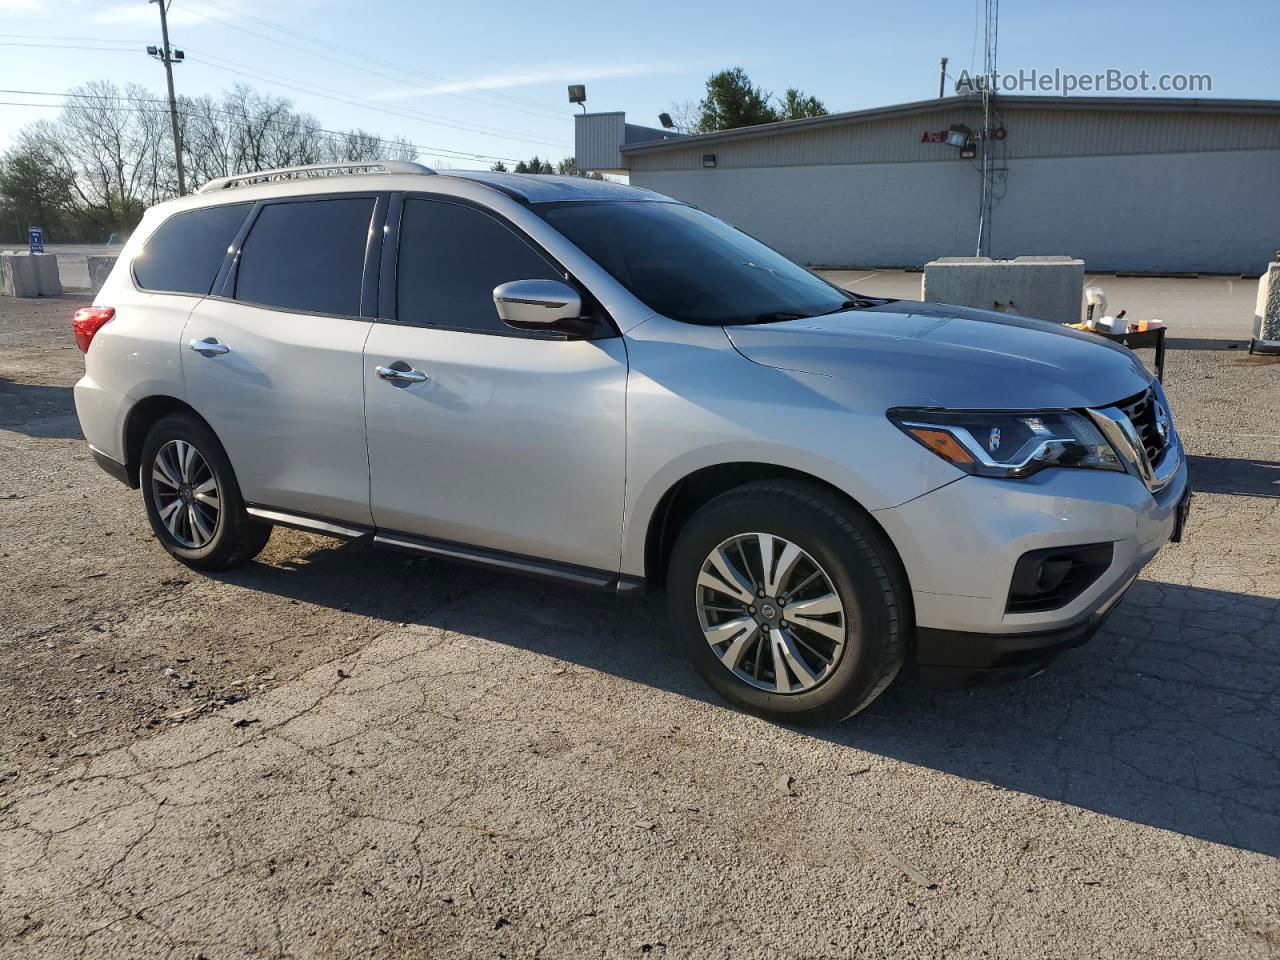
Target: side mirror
[(536, 304)]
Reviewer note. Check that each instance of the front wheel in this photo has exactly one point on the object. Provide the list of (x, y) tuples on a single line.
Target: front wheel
[(789, 602), (192, 498)]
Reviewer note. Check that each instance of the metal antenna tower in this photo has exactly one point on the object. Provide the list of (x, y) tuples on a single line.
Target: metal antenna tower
[(990, 37)]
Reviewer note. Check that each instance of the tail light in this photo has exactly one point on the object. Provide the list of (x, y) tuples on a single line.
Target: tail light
[(87, 321)]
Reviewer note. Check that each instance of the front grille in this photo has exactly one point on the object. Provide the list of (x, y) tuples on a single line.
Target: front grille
[(1141, 411)]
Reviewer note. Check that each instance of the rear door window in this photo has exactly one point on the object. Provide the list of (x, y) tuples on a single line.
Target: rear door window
[(186, 251), (451, 258), (307, 256)]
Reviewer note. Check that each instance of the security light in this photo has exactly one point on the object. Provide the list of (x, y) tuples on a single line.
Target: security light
[(153, 51), (708, 159), (959, 135), (665, 120), (969, 151), (577, 93), (178, 55)]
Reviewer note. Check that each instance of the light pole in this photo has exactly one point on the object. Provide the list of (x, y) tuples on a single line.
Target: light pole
[(168, 56)]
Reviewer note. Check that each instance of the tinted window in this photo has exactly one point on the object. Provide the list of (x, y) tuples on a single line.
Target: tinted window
[(307, 255), (451, 258), (690, 266), (185, 252)]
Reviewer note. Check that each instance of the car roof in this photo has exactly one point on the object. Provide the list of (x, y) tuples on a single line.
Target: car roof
[(523, 188), (548, 188)]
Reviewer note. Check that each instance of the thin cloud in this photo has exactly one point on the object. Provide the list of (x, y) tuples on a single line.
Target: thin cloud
[(24, 7), (532, 77), (143, 14)]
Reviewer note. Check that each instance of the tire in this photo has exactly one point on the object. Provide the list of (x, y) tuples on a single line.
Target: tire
[(860, 569), (221, 534)]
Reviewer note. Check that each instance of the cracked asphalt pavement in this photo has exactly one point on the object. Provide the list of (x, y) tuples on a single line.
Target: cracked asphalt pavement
[(341, 752)]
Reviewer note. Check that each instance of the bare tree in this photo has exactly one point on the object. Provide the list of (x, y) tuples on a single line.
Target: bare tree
[(106, 136), (113, 146), (685, 116)]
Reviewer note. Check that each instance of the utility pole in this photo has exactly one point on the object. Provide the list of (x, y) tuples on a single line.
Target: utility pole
[(942, 78), (167, 55)]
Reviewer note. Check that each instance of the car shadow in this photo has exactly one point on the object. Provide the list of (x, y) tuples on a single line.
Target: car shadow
[(38, 410), (1168, 717), (1238, 476)]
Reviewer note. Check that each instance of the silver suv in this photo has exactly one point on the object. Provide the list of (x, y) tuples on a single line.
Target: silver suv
[(594, 383)]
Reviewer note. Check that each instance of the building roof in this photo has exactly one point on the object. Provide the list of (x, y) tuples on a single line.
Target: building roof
[(1116, 104)]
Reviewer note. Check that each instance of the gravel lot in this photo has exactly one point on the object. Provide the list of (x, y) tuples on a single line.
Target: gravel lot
[(340, 752)]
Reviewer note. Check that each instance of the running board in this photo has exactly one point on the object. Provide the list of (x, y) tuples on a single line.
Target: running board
[(301, 521), (495, 559), (567, 573)]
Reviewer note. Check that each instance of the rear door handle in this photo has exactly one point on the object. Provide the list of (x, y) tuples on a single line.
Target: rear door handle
[(209, 347), (403, 373)]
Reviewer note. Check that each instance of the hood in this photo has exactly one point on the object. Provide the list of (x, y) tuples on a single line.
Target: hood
[(931, 354)]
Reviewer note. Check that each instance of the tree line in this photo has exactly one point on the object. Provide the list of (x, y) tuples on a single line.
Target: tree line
[(109, 155)]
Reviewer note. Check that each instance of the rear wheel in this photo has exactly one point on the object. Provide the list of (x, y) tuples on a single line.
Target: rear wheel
[(192, 498), (789, 602)]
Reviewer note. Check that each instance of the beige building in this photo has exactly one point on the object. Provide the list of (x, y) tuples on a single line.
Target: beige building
[(1159, 185)]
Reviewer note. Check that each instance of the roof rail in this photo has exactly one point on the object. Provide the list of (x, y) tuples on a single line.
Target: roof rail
[(313, 171)]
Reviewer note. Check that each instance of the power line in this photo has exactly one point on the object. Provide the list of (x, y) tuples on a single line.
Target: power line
[(397, 78), (49, 36), (349, 51), (331, 134), (67, 46), (328, 93)]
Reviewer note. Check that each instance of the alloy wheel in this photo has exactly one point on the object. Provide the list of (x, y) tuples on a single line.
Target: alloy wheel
[(186, 494), (771, 613)]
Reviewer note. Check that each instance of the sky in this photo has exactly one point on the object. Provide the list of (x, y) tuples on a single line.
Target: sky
[(470, 82)]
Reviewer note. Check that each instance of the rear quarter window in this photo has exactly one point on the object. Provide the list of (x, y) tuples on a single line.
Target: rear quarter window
[(185, 252)]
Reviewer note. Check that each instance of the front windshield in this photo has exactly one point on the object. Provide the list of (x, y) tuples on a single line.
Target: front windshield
[(689, 266)]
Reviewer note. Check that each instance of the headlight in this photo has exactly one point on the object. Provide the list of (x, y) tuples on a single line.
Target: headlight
[(1009, 444)]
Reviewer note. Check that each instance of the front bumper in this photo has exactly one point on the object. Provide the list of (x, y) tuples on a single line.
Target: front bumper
[(954, 658), (959, 545)]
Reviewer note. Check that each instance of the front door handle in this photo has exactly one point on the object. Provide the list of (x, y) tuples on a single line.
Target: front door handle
[(402, 373), (209, 347)]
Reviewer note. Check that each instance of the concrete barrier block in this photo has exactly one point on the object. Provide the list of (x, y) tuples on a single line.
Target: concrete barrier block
[(48, 281), (1266, 316), (99, 269), (18, 275), (24, 274), (1049, 288)]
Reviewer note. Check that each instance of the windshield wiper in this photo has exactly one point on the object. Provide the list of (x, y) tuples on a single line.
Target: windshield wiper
[(856, 304), (779, 315)]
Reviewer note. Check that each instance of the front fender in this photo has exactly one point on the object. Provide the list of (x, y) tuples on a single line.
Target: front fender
[(694, 402)]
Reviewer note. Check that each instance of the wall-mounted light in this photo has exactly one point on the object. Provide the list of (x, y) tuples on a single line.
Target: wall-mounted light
[(969, 151), (959, 135), (577, 93), (708, 159), (665, 120)]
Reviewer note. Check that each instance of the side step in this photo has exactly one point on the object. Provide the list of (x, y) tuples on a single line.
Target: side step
[(498, 560), (568, 573)]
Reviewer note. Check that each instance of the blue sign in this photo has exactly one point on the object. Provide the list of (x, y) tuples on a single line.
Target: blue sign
[(35, 239)]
